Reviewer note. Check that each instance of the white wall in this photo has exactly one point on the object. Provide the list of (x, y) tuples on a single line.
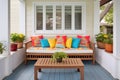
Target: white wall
[(2, 68), (10, 62), (89, 14), (109, 62)]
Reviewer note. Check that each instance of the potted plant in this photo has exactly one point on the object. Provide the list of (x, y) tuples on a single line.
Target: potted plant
[(17, 39), (100, 40), (13, 38), (58, 56), (21, 38), (108, 43), (2, 48)]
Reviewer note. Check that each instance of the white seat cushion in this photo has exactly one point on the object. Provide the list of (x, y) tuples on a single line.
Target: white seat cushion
[(49, 50)]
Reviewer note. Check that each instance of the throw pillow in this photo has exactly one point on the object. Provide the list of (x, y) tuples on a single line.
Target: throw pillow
[(44, 43), (60, 42), (69, 42), (36, 40), (52, 43), (85, 40), (75, 42), (64, 37)]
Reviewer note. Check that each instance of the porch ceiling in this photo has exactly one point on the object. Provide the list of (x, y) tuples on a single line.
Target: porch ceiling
[(102, 2)]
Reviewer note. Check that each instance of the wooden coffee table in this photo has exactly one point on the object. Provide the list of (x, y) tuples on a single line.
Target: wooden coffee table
[(66, 63)]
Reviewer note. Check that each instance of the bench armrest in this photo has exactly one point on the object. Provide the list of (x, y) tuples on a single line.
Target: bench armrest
[(28, 44), (92, 45)]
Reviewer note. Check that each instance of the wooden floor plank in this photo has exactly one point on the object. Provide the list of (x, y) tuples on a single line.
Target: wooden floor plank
[(92, 72)]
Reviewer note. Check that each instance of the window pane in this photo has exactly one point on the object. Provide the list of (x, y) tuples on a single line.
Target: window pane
[(78, 17), (67, 17), (58, 17), (39, 19), (49, 17)]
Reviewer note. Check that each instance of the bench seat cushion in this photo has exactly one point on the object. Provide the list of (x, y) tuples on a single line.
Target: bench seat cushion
[(52, 50)]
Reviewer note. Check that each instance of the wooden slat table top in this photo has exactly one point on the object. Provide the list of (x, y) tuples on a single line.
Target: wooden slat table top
[(68, 62)]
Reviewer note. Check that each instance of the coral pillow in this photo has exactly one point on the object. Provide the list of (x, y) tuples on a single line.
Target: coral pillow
[(64, 37), (75, 42), (44, 43), (60, 42), (36, 40), (52, 43), (69, 43), (85, 40)]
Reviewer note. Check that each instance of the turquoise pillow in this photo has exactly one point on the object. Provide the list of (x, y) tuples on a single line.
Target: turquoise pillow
[(75, 42), (44, 43)]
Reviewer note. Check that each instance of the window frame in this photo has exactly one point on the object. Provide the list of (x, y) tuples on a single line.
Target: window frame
[(62, 31)]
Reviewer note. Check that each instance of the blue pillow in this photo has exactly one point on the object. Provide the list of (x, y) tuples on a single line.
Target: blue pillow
[(44, 43), (75, 42)]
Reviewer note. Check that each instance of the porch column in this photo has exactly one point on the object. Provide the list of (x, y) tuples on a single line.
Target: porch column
[(5, 31), (116, 28), (116, 35), (5, 22), (22, 16), (96, 17)]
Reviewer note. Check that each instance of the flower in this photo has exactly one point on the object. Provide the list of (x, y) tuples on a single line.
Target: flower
[(15, 37), (21, 37), (108, 39)]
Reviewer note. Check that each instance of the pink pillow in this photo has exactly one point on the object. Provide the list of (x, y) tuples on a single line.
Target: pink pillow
[(85, 40)]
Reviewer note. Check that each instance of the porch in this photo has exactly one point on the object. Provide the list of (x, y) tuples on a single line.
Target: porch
[(91, 72), (111, 62)]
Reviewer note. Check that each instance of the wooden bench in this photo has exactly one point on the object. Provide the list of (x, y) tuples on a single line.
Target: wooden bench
[(83, 56)]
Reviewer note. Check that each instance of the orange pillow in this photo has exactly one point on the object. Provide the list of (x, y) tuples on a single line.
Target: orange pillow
[(36, 40)]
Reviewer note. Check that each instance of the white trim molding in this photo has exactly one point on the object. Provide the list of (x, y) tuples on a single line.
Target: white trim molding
[(96, 17), (22, 17)]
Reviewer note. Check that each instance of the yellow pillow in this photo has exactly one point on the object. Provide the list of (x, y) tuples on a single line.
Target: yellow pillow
[(52, 42), (69, 43)]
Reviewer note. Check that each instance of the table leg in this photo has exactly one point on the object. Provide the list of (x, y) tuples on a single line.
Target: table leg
[(35, 73), (82, 72), (78, 70)]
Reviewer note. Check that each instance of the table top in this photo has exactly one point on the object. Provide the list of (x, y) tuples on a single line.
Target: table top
[(68, 62)]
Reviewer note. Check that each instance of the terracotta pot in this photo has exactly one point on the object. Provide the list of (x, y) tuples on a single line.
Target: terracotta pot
[(101, 45), (13, 47), (19, 45), (109, 48)]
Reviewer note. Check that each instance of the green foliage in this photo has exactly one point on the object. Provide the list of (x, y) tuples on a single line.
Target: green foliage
[(57, 55), (108, 39), (2, 48), (100, 37), (15, 37), (109, 17)]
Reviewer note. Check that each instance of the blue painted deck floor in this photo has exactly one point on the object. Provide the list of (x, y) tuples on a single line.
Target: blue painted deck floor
[(92, 72)]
